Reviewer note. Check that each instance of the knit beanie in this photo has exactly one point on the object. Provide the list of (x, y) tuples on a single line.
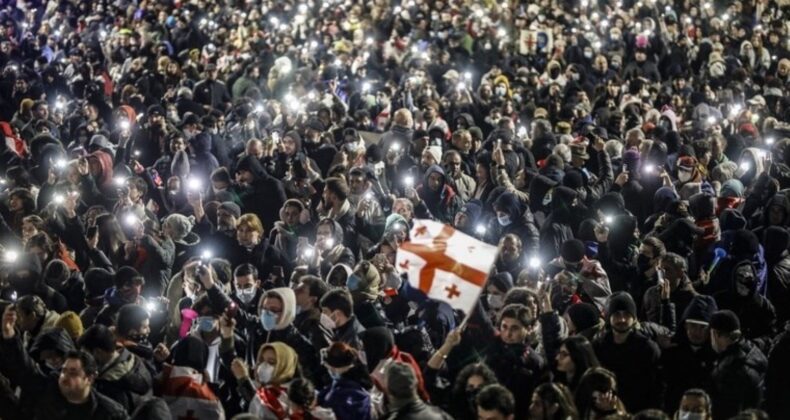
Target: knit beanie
[(572, 250), (180, 225), (621, 301), (583, 315), (401, 381), (72, 323)]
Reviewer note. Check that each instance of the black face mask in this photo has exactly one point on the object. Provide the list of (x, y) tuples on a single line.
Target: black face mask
[(141, 340)]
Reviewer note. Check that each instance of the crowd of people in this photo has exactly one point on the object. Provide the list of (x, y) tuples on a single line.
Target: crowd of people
[(202, 201)]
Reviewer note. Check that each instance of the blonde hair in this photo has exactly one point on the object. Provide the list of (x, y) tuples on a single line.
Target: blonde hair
[(251, 221)]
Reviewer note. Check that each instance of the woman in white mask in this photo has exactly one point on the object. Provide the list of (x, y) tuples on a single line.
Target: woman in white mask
[(266, 385), (688, 171)]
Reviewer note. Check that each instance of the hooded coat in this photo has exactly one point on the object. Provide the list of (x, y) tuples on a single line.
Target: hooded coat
[(522, 223), (558, 227), (204, 161), (441, 205), (756, 313), (265, 195)]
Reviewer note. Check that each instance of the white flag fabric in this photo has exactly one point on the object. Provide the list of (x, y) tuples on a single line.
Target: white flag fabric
[(446, 264)]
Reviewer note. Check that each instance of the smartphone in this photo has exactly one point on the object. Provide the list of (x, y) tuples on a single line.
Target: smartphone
[(92, 231), (231, 310)]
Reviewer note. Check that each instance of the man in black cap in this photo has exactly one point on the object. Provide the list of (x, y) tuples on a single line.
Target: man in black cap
[(738, 376), (147, 144), (630, 354), (211, 92), (404, 401), (688, 363)]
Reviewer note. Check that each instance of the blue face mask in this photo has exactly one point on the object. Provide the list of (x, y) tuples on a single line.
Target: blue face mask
[(504, 220), (353, 282), (205, 324), (268, 320)]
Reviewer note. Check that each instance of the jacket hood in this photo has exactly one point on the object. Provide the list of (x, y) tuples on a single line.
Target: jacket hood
[(664, 198), (201, 143), (338, 275), (378, 343), (56, 339), (370, 282), (253, 165), (105, 162), (288, 299), (508, 203), (434, 169), (700, 309), (778, 200)]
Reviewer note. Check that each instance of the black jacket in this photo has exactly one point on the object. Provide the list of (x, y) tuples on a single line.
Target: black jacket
[(266, 194), (518, 367), (126, 379), (737, 379), (685, 368), (51, 405), (777, 381), (417, 410), (635, 363)]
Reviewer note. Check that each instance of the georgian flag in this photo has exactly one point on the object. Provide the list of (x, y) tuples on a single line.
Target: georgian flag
[(187, 396), (446, 264)]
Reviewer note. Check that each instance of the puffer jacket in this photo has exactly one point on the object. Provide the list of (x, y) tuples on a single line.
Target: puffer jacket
[(125, 380), (737, 379)]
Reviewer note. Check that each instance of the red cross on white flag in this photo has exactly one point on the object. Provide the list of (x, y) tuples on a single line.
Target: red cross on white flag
[(446, 264)]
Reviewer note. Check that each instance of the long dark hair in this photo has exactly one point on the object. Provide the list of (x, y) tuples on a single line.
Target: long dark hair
[(459, 401), (595, 379), (555, 393), (583, 356)]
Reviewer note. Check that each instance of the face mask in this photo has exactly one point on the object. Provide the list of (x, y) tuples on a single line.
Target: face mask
[(205, 324), (554, 73), (588, 54), (575, 76), (495, 301), (141, 340), (246, 295), (500, 91), (268, 320), (327, 322), (264, 372), (504, 220), (684, 176), (353, 282), (687, 415)]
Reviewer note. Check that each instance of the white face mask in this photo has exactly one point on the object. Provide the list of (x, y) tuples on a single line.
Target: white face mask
[(328, 322), (495, 301), (687, 415), (264, 373), (684, 176), (246, 295)]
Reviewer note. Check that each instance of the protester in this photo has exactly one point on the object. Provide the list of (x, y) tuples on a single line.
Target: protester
[(183, 184)]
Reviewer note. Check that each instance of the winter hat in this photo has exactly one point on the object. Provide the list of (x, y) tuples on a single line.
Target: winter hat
[(97, 280), (221, 174), (231, 208), (776, 240), (501, 281), (632, 158), (191, 352), (572, 250), (744, 243), (401, 381), (378, 343), (56, 273), (180, 225), (472, 209), (583, 315), (664, 198), (435, 152), (700, 310), (731, 219), (72, 323), (732, 189), (392, 222), (687, 163), (725, 321), (621, 301), (702, 206), (573, 179)]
